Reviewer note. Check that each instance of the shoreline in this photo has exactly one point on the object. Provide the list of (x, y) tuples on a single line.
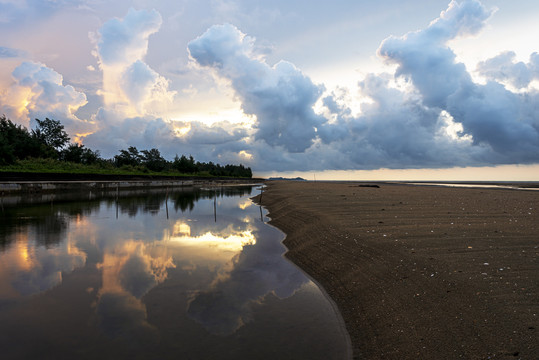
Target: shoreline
[(419, 271)]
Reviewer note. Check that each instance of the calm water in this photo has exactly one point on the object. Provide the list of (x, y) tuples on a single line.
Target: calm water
[(184, 275)]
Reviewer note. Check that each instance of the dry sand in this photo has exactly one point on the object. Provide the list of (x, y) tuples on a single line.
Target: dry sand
[(420, 272)]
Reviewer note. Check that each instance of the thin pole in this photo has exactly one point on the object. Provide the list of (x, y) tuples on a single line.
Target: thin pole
[(166, 202), (117, 200)]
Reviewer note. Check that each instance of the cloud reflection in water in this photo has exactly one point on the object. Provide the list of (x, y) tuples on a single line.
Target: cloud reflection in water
[(144, 274)]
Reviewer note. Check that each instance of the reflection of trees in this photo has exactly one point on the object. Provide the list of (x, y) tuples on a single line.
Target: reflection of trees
[(50, 230), (48, 222), (49, 217), (184, 201)]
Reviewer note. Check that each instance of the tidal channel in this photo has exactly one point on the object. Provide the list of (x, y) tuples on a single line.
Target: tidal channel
[(166, 274)]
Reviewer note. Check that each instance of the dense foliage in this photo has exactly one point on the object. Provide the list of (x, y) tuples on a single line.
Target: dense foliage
[(50, 142)]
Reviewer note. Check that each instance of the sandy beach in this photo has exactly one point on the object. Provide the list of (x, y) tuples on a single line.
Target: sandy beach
[(419, 272)]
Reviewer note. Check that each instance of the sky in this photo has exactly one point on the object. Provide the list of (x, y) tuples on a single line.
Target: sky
[(344, 89)]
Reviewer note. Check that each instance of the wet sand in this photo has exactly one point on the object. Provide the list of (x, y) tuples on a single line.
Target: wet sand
[(419, 272)]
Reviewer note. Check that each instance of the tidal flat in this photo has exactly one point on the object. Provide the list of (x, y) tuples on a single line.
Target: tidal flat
[(419, 272)]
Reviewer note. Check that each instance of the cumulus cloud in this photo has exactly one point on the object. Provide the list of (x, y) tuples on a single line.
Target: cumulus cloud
[(134, 95), (490, 114), (215, 134), (429, 113), (38, 91), (222, 141), (424, 56), (130, 86), (281, 97), (125, 40), (503, 68)]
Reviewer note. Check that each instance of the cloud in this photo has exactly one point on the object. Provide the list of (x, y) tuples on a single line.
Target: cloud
[(134, 95), (130, 86), (424, 56), (493, 116), (145, 89), (118, 133), (281, 97), (502, 68), (37, 91), (6, 52), (428, 113), (215, 134), (123, 41)]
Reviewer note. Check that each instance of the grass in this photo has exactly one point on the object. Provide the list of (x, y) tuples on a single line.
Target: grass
[(52, 166)]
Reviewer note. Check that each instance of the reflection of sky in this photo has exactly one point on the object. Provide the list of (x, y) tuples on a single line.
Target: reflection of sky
[(26, 268), (229, 261)]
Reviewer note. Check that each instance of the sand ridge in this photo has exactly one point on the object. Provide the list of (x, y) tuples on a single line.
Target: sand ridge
[(419, 272)]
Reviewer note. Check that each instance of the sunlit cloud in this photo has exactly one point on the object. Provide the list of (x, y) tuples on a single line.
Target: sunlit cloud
[(130, 86), (439, 93), (38, 91)]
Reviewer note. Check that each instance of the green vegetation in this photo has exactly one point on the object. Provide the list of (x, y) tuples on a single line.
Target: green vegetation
[(46, 149)]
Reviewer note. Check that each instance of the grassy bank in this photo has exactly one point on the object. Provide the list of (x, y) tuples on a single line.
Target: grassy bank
[(51, 166)]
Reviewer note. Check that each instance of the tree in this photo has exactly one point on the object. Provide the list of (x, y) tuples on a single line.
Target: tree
[(79, 154), (131, 156), (184, 164), (6, 151), (51, 133), (17, 143), (153, 160)]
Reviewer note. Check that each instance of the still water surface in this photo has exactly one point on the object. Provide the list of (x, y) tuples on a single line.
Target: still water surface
[(189, 274)]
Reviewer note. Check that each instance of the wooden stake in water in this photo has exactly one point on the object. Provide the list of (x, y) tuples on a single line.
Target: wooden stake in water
[(117, 200), (166, 202)]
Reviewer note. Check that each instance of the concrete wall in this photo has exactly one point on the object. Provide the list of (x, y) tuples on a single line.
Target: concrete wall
[(46, 186), (54, 186)]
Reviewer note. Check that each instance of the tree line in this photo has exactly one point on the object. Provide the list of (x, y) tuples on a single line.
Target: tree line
[(50, 141)]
